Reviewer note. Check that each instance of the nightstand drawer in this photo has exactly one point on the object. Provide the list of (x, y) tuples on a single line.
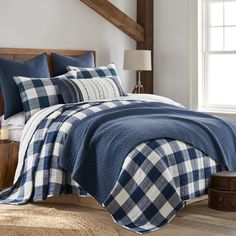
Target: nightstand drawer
[(8, 163)]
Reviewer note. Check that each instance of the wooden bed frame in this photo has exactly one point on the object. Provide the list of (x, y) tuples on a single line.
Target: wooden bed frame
[(22, 54)]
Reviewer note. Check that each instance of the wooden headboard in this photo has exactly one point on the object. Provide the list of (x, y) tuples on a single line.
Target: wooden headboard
[(23, 54)]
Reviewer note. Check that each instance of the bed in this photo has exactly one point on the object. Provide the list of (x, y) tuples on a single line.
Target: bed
[(153, 181)]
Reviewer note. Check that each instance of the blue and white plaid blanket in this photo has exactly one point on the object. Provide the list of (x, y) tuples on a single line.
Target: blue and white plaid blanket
[(155, 180)]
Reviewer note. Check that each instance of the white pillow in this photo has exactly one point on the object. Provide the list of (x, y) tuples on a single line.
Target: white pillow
[(16, 121)]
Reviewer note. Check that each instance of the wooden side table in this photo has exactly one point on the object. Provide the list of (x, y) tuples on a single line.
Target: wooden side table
[(8, 162)]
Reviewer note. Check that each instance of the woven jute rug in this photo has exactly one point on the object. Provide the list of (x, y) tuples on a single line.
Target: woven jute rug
[(46, 222)]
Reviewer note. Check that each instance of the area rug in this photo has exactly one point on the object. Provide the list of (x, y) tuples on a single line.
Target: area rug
[(48, 222)]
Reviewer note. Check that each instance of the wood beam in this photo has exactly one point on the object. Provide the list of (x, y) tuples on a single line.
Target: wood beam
[(145, 15), (117, 18)]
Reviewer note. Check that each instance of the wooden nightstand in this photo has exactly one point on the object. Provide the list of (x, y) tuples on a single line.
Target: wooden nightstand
[(8, 162)]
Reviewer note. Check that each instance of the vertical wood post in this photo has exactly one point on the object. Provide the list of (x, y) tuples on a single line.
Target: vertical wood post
[(145, 17)]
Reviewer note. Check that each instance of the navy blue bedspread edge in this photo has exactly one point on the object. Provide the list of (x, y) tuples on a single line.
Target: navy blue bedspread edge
[(96, 147)]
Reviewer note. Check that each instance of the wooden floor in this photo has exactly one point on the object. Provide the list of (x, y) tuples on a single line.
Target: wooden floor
[(196, 219)]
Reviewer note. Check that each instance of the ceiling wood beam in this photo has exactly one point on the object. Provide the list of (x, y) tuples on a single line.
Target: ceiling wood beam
[(117, 18), (145, 17)]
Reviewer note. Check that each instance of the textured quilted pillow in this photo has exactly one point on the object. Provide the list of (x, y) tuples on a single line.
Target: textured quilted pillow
[(36, 67), (61, 62), (100, 71), (90, 89)]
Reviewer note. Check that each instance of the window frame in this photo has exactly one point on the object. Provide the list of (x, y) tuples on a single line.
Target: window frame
[(204, 32)]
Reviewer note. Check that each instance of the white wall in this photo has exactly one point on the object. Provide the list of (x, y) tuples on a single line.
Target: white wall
[(66, 24), (172, 44)]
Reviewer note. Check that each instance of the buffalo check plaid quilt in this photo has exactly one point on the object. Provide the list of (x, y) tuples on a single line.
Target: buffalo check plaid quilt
[(155, 180)]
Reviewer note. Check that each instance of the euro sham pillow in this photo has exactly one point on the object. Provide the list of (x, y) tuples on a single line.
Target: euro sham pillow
[(100, 71), (36, 67), (39, 93), (61, 62), (90, 89)]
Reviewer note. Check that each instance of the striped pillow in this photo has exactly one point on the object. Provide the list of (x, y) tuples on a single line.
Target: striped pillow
[(100, 71), (80, 90)]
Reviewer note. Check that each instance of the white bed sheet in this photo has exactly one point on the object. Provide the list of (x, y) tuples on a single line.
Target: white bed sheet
[(15, 134), (15, 125)]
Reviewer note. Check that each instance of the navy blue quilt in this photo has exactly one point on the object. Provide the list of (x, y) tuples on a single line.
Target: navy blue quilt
[(96, 147)]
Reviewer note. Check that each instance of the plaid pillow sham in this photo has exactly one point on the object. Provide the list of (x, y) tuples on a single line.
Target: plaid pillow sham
[(100, 71), (39, 93)]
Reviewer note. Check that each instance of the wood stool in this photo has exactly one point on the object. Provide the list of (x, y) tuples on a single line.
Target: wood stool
[(222, 193)]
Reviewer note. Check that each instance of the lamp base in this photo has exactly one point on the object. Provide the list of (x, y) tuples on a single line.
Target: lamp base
[(139, 89)]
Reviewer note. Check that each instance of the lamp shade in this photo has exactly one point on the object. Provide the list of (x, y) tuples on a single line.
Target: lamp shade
[(138, 60)]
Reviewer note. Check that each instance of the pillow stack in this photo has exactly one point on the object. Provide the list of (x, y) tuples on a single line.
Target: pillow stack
[(26, 86)]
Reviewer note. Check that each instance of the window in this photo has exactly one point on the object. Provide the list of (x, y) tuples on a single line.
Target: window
[(219, 54)]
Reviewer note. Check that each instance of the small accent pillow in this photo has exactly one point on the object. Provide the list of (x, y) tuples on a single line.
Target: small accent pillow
[(89, 89), (61, 62), (100, 71), (36, 67)]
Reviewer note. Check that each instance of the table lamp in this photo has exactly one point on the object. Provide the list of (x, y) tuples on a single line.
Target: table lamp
[(139, 60)]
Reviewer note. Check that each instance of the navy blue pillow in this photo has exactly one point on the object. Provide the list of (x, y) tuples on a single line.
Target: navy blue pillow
[(60, 62), (36, 67)]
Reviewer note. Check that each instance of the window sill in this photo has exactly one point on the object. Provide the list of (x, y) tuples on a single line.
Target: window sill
[(226, 113)]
